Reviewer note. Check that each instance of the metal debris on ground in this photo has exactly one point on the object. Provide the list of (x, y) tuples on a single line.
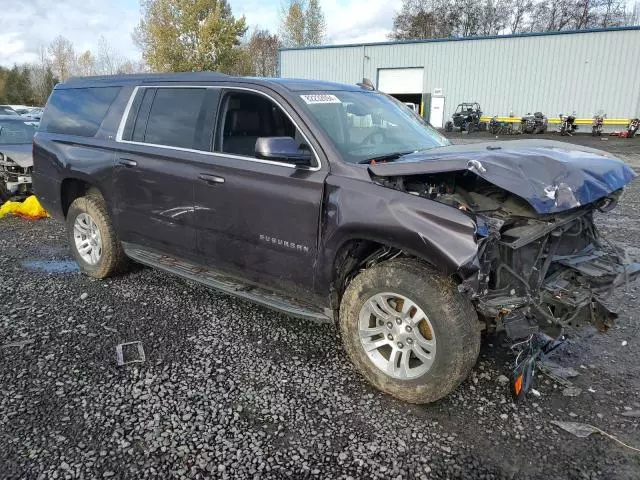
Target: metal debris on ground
[(134, 353), (561, 375), (583, 430), (19, 344)]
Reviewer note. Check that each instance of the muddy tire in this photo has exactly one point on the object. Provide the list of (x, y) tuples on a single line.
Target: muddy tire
[(451, 328), (92, 238)]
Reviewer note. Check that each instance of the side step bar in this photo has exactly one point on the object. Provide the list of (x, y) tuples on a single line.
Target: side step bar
[(231, 286)]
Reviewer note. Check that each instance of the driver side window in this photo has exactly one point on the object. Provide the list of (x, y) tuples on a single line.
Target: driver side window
[(245, 117)]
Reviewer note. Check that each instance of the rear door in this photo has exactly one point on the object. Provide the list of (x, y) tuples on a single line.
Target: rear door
[(256, 218), (157, 166)]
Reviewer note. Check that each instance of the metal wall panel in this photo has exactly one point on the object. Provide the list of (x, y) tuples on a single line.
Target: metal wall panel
[(559, 73)]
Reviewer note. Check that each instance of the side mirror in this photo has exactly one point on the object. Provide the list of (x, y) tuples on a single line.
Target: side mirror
[(282, 149)]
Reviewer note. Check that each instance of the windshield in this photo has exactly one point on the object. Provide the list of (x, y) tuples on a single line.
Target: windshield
[(13, 132), (368, 125)]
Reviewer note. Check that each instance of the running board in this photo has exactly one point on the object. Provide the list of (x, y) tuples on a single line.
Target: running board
[(231, 286)]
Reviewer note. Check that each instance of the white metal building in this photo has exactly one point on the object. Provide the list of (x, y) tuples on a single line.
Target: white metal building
[(558, 72)]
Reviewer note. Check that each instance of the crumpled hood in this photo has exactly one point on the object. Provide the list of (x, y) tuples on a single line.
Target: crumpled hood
[(19, 153), (552, 176)]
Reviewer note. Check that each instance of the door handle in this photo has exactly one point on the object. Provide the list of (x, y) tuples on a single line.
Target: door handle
[(211, 179), (128, 163)]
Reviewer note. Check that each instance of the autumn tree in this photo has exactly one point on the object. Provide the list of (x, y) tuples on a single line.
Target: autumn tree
[(302, 24), (86, 64), (314, 23), (183, 35), (62, 57), (263, 49)]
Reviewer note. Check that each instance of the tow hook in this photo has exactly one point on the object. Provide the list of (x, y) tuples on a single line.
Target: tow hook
[(534, 349)]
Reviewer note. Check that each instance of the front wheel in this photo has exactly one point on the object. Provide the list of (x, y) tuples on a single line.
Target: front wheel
[(408, 330), (448, 127), (92, 238)]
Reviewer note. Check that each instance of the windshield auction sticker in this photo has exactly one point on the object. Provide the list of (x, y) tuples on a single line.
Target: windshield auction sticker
[(320, 98)]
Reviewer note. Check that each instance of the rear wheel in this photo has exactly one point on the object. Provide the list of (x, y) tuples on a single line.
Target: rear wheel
[(408, 330), (92, 238)]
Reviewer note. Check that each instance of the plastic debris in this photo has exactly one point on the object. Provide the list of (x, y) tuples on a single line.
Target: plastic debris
[(583, 430), (571, 391), (134, 353), (624, 343), (30, 209)]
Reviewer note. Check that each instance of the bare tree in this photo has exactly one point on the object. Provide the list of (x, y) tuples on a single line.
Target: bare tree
[(108, 62), (520, 10), (63, 57)]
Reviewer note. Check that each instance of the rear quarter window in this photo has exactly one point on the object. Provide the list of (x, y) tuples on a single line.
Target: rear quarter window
[(77, 111)]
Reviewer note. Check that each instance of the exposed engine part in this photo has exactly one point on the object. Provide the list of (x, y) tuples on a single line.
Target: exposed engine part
[(536, 270)]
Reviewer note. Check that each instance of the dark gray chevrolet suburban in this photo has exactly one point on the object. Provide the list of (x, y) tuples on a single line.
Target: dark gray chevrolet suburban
[(330, 201)]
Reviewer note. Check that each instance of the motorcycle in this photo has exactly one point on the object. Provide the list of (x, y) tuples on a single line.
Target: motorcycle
[(568, 125), (536, 123), (633, 127), (598, 123)]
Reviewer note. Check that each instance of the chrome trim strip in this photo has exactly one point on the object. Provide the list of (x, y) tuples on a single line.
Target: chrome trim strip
[(125, 115)]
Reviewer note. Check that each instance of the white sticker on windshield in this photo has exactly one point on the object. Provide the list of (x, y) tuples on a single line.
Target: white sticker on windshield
[(320, 98)]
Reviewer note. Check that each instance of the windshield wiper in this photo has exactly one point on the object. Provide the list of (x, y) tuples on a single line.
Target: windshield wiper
[(386, 158)]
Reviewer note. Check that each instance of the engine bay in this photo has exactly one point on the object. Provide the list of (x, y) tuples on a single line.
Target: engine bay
[(535, 271)]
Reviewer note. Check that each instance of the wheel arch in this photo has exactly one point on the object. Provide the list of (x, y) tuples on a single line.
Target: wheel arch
[(75, 187)]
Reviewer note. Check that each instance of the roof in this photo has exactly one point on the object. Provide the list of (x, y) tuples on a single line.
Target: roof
[(460, 39), (291, 84)]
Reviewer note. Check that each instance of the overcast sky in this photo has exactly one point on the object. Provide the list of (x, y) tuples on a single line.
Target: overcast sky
[(25, 25)]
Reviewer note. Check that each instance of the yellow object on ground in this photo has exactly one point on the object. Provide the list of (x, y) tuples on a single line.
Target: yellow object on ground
[(30, 208)]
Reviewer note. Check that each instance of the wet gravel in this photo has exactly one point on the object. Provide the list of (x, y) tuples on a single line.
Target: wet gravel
[(232, 390)]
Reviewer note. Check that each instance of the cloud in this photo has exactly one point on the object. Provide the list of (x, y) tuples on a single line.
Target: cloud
[(348, 21), (27, 25)]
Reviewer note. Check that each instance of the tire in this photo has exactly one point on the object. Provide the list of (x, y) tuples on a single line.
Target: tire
[(467, 127), (448, 127), (453, 325), (112, 259), (482, 126)]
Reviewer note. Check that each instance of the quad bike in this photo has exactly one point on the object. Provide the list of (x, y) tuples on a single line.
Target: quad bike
[(466, 118), (536, 123), (598, 123)]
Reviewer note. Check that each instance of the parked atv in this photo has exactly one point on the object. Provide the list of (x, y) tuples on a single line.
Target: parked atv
[(598, 123), (536, 123), (466, 118)]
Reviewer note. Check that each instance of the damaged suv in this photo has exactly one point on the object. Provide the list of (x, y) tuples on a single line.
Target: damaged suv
[(334, 202), (16, 163)]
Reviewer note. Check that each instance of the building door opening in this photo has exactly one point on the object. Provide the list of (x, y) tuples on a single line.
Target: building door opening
[(405, 84)]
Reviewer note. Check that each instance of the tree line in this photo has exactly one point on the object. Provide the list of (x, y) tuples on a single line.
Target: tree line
[(423, 19), (188, 35)]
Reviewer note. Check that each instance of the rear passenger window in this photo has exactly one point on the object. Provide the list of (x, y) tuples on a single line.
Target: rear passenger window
[(174, 117), (77, 111)]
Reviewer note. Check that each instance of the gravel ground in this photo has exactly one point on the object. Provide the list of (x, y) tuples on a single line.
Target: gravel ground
[(231, 390)]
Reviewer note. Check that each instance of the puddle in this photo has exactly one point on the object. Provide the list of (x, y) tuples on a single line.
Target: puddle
[(52, 266)]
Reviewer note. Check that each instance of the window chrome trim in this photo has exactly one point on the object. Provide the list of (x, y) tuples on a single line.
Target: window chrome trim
[(127, 111)]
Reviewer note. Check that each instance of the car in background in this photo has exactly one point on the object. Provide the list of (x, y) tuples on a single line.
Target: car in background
[(16, 161), (34, 113), (7, 110)]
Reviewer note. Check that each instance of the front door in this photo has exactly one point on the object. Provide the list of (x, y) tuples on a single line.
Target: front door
[(155, 169), (258, 218)]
